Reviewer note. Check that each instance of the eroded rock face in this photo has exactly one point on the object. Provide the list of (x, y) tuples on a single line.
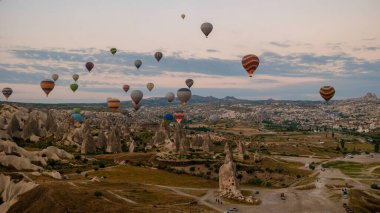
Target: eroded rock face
[(31, 127), (161, 135), (242, 151), (88, 145), (132, 146), (182, 144), (207, 145), (101, 141), (228, 184), (113, 142), (14, 128), (9, 191), (50, 124), (197, 141)]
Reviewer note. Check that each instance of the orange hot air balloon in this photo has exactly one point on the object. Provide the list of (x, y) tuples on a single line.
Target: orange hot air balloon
[(327, 92), (113, 104), (178, 116), (47, 86), (250, 63)]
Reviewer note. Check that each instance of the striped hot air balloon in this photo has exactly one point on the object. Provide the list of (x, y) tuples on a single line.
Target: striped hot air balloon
[(327, 92), (250, 63), (47, 86), (113, 104), (7, 91), (178, 116)]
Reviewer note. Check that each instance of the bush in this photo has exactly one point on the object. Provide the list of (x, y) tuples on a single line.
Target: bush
[(98, 194), (239, 176), (375, 186), (255, 181), (44, 155), (192, 169), (52, 162), (298, 176), (268, 184), (85, 160), (78, 171), (77, 156), (102, 165), (246, 157), (96, 168)]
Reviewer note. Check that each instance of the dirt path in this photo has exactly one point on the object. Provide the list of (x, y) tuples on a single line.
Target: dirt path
[(122, 198)]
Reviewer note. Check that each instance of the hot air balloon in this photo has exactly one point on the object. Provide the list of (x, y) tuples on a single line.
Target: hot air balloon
[(189, 82), (138, 63), (75, 77), (168, 117), (327, 92), (179, 115), (55, 77), (158, 56), (214, 119), (113, 51), (184, 95), (183, 16), (136, 106), (47, 86), (74, 87), (89, 66), (169, 96), (206, 28), (150, 86), (77, 117), (126, 87), (136, 96), (7, 91), (113, 104), (76, 110), (250, 63)]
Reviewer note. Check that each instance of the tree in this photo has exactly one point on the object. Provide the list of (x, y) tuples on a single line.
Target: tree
[(376, 147), (342, 144)]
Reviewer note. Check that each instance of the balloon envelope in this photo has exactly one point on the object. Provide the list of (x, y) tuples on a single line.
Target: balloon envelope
[(250, 63), (113, 104), (189, 82), (150, 86), (158, 56), (47, 86), (126, 87), (55, 77), (184, 95), (89, 66), (136, 106), (178, 116), (7, 91), (136, 96), (170, 96), (75, 77), (77, 117), (168, 117), (327, 92), (206, 28), (138, 63), (183, 16), (113, 51), (76, 110), (74, 87)]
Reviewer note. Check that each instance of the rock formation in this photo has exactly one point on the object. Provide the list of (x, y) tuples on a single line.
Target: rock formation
[(50, 124), (88, 145), (161, 135), (14, 128), (228, 184), (31, 128), (132, 145), (101, 141), (197, 141), (241, 149), (182, 144), (113, 142), (207, 145)]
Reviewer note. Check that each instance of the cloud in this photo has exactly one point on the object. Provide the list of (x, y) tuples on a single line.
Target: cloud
[(278, 44), (212, 50)]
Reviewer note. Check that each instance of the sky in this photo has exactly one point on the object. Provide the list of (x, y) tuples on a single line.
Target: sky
[(302, 45)]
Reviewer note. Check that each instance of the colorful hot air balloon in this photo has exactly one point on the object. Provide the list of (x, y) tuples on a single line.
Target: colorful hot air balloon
[(136, 106), (183, 16), (7, 91), (74, 87), (184, 95), (168, 117), (178, 116), (170, 96), (89, 66), (189, 82), (126, 87), (77, 117), (206, 28), (47, 86), (55, 77), (214, 119), (113, 51), (75, 77), (250, 63), (138, 63), (158, 56), (76, 110), (150, 86), (113, 104), (327, 92), (136, 96)]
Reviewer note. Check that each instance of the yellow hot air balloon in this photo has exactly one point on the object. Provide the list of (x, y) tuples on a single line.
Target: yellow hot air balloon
[(327, 92), (113, 104)]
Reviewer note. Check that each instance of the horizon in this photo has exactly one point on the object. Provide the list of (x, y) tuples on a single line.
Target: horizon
[(297, 55)]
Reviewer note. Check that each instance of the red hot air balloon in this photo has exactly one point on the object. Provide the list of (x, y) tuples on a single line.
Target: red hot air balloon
[(89, 66), (178, 116), (47, 86), (126, 87), (250, 63)]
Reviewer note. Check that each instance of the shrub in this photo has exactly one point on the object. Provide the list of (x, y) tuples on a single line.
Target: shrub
[(44, 155), (298, 176), (255, 181), (78, 171), (96, 168), (102, 165), (375, 186), (52, 162), (84, 160), (268, 184), (77, 156), (98, 194), (239, 176), (246, 157), (192, 169)]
